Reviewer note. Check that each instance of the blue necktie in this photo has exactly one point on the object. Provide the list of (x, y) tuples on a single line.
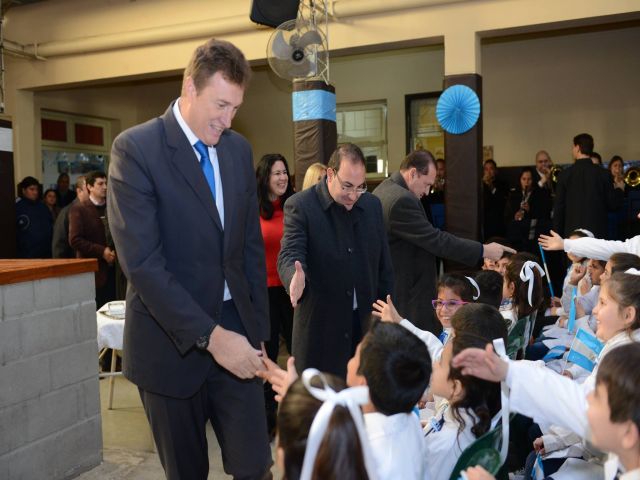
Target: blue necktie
[(207, 168), (443, 336)]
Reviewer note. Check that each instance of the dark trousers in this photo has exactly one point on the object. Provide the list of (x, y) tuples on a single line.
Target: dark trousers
[(107, 292), (281, 318), (236, 411)]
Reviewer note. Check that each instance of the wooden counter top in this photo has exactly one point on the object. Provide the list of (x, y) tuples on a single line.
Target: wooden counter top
[(26, 270)]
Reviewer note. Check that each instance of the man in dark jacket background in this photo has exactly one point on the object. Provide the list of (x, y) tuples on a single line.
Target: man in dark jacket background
[(33, 221), (414, 242), (584, 193), (60, 247)]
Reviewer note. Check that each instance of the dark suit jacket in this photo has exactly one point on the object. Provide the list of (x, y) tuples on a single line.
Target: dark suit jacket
[(414, 244), (87, 236), (60, 247), (339, 250), (175, 254), (584, 195)]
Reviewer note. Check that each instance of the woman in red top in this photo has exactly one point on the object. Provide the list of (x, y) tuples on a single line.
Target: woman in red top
[(274, 187)]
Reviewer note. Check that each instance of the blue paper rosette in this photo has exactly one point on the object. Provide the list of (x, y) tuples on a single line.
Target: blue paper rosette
[(458, 109)]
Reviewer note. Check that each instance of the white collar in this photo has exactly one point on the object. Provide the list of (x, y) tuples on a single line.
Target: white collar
[(192, 137), (380, 424)]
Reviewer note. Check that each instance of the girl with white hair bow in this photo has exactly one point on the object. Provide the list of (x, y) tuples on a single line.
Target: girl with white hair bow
[(522, 289), (321, 431)]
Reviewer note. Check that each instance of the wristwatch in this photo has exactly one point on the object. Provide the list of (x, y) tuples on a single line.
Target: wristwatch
[(203, 342)]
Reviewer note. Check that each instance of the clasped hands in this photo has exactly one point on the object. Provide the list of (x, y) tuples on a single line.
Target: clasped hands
[(233, 352)]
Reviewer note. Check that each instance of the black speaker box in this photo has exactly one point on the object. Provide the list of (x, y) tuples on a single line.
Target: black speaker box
[(273, 12)]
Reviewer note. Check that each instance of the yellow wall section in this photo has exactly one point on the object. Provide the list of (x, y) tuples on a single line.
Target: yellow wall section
[(516, 87)]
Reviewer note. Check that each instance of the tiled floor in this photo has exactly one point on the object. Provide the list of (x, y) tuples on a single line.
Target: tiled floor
[(128, 445)]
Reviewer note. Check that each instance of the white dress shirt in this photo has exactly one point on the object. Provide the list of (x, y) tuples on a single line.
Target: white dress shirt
[(213, 157), (397, 445)]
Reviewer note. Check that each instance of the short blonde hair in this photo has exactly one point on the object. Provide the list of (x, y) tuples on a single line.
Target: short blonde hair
[(314, 174)]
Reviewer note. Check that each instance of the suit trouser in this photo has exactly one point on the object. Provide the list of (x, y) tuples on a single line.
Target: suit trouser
[(236, 411)]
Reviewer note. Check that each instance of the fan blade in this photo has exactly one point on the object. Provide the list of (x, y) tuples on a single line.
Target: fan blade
[(305, 68), (281, 68), (309, 38), (280, 48)]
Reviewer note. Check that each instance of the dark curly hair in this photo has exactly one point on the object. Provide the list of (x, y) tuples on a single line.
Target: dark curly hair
[(263, 173), (475, 325)]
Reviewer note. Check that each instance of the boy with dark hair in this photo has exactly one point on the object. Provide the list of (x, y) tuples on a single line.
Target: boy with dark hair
[(614, 412), (490, 286), (396, 366)]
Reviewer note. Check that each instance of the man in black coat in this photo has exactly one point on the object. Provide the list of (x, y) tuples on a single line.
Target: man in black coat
[(334, 262), (414, 242), (34, 224), (494, 192), (60, 247), (584, 193)]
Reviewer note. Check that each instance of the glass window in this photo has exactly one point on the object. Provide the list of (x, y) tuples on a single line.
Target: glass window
[(73, 144), (365, 124)]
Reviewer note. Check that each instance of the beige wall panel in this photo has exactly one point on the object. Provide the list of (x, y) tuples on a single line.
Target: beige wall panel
[(539, 93)]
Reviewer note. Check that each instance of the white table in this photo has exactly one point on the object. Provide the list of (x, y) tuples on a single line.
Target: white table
[(110, 335)]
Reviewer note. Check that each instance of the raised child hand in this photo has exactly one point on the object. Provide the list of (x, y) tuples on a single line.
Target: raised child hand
[(386, 311), (279, 379), (552, 241)]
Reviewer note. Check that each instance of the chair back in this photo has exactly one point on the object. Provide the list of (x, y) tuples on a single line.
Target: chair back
[(516, 337), (485, 451)]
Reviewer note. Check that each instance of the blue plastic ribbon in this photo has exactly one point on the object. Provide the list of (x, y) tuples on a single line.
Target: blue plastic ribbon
[(571, 325), (313, 105)]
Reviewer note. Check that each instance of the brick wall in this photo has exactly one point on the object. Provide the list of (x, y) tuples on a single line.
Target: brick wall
[(50, 423)]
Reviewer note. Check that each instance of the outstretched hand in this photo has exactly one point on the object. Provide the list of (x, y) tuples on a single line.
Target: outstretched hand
[(484, 364), (494, 251), (386, 311), (553, 241), (279, 379), (296, 287)]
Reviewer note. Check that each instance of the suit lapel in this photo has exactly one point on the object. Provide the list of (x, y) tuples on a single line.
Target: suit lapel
[(186, 162), (229, 187)]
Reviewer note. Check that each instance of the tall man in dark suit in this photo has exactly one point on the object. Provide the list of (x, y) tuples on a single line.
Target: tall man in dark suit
[(414, 242), (184, 216), (584, 193), (334, 262)]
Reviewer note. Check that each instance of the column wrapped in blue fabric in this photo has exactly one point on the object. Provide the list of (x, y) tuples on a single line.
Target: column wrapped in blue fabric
[(314, 124)]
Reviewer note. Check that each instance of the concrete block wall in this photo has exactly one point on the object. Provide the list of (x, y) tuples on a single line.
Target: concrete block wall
[(50, 424)]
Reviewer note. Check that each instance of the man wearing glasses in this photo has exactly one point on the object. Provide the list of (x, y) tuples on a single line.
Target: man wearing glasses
[(414, 242), (334, 262)]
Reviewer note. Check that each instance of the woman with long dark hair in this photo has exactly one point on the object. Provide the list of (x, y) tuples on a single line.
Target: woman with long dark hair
[(274, 187)]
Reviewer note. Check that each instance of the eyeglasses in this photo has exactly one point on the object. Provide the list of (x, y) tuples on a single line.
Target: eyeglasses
[(280, 172), (350, 188), (447, 303)]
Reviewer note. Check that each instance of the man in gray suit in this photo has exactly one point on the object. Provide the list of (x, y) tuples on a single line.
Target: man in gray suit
[(414, 242), (334, 262), (184, 216)]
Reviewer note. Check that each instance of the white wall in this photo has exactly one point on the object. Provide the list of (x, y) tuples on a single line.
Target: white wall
[(539, 93)]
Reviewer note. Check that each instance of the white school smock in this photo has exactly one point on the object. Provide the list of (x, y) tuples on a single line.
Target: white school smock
[(434, 345), (397, 445), (599, 249), (444, 447)]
